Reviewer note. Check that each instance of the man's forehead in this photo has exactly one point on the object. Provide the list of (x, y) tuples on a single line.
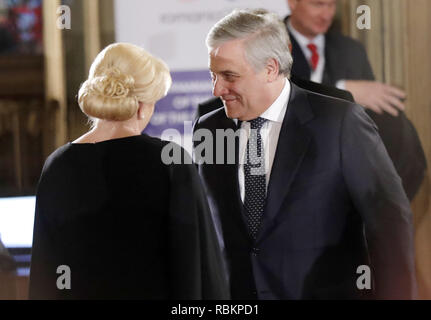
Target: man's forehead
[(221, 64), (230, 54), (322, 1), (229, 48)]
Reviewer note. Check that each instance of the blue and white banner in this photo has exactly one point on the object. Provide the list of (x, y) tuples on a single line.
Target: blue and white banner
[(189, 88)]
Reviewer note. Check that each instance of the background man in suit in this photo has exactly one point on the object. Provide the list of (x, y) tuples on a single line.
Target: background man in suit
[(316, 195), (330, 58)]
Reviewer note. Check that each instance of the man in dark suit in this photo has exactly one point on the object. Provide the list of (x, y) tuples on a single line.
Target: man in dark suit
[(332, 59), (343, 62), (311, 197)]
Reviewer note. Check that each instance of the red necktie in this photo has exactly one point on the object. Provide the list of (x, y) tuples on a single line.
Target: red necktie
[(314, 55)]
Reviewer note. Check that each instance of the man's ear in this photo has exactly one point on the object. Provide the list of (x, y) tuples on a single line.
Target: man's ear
[(272, 69)]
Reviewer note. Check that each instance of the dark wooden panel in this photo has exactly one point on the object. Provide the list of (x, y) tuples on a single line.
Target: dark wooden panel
[(22, 129), (21, 75)]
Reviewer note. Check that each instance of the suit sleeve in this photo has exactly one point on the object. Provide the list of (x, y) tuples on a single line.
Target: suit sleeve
[(347, 59), (366, 70), (378, 195), (196, 267), (43, 276), (355, 58)]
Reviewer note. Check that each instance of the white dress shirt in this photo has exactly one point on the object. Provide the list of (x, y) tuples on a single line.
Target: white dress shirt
[(270, 133)]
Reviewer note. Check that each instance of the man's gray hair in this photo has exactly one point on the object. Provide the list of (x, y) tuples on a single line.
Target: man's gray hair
[(264, 33)]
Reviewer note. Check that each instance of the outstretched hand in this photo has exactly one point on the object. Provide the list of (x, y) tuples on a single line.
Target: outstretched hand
[(377, 96)]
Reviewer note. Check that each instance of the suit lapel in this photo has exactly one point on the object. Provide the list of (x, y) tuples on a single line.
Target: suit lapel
[(292, 145), (300, 67), (229, 185)]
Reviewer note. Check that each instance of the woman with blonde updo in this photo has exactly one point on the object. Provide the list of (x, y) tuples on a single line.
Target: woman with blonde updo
[(112, 220)]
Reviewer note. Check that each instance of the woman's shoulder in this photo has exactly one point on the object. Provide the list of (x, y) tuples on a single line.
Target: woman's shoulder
[(55, 165), (57, 154), (144, 148), (152, 141), (140, 141)]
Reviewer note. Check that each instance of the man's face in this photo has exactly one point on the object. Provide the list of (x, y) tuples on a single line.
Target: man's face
[(235, 81), (312, 17)]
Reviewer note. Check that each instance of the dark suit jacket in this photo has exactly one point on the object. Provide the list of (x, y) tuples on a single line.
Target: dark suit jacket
[(332, 193), (347, 59)]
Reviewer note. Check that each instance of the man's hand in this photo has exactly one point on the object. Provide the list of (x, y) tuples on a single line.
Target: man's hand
[(377, 96)]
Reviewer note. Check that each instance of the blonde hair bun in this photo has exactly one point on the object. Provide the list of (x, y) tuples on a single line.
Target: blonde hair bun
[(113, 84), (122, 75)]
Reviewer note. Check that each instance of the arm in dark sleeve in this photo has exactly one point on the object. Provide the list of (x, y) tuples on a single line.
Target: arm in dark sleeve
[(43, 276), (358, 66), (346, 59), (378, 195), (366, 70), (404, 148), (399, 137), (196, 267)]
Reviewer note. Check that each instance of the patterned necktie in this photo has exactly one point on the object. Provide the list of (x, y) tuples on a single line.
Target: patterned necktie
[(314, 55), (254, 178)]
